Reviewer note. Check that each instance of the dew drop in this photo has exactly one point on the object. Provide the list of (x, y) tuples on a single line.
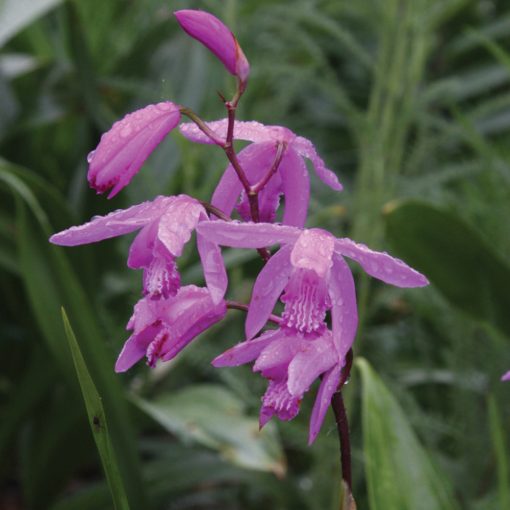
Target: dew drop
[(90, 156)]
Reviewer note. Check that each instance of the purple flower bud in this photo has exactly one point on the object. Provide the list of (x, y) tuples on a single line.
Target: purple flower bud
[(217, 37), (122, 150)]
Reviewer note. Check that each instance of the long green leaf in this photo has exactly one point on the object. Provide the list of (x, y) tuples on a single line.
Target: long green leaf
[(461, 265), (400, 474), (97, 420)]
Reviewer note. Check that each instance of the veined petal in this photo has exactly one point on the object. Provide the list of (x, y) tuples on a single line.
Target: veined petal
[(279, 353), (217, 37), (190, 313), (247, 235), (317, 357), (214, 269), (344, 311), (296, 188), (178, 223), (122, 150), (305, 148), (247, 351), (251, 131), (327, 388), (381, 265), (116, 223), (267, 289)]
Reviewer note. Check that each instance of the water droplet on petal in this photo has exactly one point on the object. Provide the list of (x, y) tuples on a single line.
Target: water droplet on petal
[(90, 156)]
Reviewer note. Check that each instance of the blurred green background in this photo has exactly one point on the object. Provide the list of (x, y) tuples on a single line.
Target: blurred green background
[(409, 102)]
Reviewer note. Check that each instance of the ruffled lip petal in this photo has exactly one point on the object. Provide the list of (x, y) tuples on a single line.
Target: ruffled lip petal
[(115, 224), (247, 235), (216, 36), (381, 265), (123, 149)]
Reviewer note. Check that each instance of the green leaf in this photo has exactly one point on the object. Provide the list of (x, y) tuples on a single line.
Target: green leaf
[(97, 420), (500, 451), (460, 264), (15, 15), (214, 417), (400, 474)]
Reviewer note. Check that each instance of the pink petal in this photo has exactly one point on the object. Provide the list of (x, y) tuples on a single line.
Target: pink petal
[(255, 159), (313, 250), (267, 289), (114, 224), (296, 188), (278, 354), (178, 223), (381, 265), (135, 348), (141, 249), (245, 352), (305, 148), (122, 150), (215, 36), (192, 311), (307, 365), (247, 234), (250, 131), (344, 310), (506, 377), (327, 388), (214, 270)]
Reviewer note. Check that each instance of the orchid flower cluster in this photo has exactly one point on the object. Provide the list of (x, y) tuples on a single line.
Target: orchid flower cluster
[(308, 273)]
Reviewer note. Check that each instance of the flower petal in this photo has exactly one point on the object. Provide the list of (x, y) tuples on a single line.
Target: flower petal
[(114, 224), (250, 131), (135, 348), (217, 37), (506, 377), (267, 289), (307, 365), (381, 265), (245, 352), (327, 388), (122, 150), (344, 311), (191, 312), (214, 269), (178, 223), (296, 188), (278, 354), (247, 234), (305, 148)]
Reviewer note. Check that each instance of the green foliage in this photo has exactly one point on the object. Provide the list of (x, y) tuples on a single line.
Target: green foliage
[(405, 100)]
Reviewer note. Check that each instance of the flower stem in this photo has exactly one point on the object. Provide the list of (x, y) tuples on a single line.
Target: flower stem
[(342, 423), (234, 305), (280, 150)]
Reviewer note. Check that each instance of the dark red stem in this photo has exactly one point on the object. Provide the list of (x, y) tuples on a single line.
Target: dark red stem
[(234, 305), (342, 423)]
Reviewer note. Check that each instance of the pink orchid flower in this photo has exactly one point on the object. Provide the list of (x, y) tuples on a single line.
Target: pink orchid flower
[(123, 149), (166, 225), (217, 37), (311, 271), (162, 328), (291, 180)]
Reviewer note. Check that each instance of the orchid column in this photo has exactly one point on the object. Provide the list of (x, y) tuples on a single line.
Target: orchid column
[(314, 335)]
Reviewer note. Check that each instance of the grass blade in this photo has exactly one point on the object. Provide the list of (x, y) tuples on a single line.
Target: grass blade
[(97, 420)]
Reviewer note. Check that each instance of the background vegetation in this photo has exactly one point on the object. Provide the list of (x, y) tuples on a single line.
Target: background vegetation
[(409, 102)]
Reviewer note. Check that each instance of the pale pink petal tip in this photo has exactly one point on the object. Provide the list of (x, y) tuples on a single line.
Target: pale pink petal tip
[(124, 148), (217, 37), (506, 377)]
